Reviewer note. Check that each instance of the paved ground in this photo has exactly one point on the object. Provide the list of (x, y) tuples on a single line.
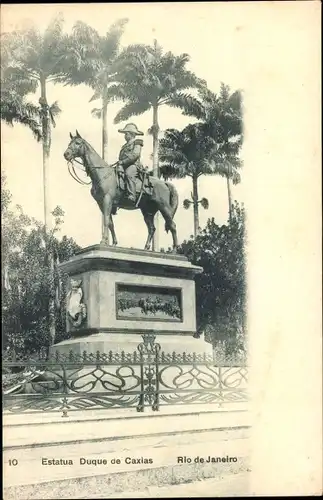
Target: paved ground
[(19, 431), (231, 482), (231, 485)]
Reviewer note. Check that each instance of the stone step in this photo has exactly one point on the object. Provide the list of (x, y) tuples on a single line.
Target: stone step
[(128, 444), (42, 417), (74, 431)]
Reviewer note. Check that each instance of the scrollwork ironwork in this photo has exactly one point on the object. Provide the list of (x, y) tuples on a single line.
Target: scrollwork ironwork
[(146, 377)]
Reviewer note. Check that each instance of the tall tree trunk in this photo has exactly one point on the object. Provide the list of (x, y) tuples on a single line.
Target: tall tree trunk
[(195, 205), (46, 140), (229, 198), (51, 302), (155, 244), (46, 149), (104, 143), (104, 127)]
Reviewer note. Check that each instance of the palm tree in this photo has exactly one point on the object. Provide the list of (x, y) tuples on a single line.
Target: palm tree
[(148, 79), (187, 153), (35, 60), (222, 116), (14, 107), (92, 60)]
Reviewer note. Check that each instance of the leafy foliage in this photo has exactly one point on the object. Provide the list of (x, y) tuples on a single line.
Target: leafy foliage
[(92, 61), (210, 146), (34, 54), (222, 112), (31, 60), (188, 153), (14, 106), (222, 119), (92, 57), (221, 288), (26, 278), (149, 77)]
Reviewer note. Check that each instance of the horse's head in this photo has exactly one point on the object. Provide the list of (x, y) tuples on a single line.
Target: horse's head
[(76, 148)]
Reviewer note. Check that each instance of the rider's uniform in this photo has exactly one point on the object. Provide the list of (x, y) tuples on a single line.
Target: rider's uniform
[(129, 159)]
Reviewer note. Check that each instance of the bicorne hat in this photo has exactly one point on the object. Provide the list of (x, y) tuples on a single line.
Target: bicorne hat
[(131, 127)]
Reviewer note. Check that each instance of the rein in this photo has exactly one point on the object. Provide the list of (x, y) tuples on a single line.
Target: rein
[(73, 174)]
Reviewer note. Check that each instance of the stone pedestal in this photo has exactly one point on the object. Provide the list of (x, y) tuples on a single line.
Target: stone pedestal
[(116, 295)]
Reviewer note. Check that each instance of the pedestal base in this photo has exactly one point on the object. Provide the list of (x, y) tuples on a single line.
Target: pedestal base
[(118, 342)]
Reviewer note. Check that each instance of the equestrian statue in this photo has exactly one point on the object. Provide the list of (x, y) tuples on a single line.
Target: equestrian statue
[(125, 184)]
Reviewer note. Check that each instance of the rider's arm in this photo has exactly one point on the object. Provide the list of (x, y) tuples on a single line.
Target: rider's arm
[(132, 156)]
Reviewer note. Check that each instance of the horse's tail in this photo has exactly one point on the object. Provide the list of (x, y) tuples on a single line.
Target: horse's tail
[(173, 201)]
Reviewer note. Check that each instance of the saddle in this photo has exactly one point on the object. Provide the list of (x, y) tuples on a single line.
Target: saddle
[(143, 181)]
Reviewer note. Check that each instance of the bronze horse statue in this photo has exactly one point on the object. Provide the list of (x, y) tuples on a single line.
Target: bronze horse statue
[(110, 196)]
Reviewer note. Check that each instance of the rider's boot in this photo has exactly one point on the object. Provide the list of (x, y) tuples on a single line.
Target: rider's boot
[(131, 190)]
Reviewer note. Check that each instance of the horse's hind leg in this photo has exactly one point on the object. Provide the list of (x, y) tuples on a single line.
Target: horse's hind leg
[(170, 225), (112, 231), (149, 220)]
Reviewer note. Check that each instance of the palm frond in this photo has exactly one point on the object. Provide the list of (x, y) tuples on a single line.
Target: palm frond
[(128, 52), (93, 57), (14, 109), (131, 109), (96, 113), (53, 31), (173, 156), (186, 204), (13, 77), (97, 95), (111, 42), (55, 109), (189, 105), (226, 168), (86, 36), (205, 203), (117, 92), (173, 170), (171, 136)]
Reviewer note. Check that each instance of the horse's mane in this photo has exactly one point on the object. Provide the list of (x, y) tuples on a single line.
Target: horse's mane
[(101, 162)]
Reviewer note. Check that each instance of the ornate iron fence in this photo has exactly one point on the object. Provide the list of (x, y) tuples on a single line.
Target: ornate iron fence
[(145, 378)]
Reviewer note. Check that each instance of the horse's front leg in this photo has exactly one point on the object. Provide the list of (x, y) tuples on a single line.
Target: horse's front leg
[(106, 210), (112, 231), (149, 220)]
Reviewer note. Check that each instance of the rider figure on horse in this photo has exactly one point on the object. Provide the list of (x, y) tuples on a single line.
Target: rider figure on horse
[(129, 158)]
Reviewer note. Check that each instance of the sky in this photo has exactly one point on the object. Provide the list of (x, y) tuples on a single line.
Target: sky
[(210, 35)]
